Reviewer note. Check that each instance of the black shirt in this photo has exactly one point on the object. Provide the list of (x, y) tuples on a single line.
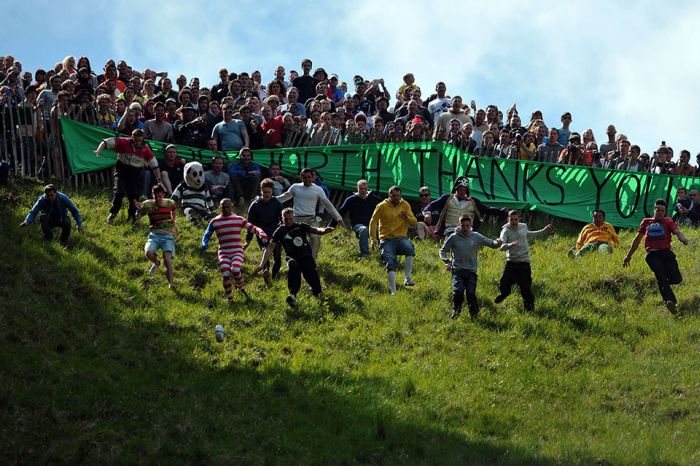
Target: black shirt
[(360, 210), (265, 215), (306, 86), (175, 173), (294, 241)]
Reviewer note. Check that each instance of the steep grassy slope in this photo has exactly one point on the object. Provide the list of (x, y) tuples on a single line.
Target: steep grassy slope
[(102, 364)]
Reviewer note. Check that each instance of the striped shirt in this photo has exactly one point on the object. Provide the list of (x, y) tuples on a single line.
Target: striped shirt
[(160, 216), (198, 199), (228, 232)]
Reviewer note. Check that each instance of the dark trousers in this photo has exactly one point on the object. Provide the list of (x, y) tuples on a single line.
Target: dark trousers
[(246, 186), (518, 273), (128, 181), (306, 267), (48, 223), (665, 267), (464, 282)]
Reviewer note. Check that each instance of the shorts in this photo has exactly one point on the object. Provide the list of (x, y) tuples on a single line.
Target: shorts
[(163, 241)]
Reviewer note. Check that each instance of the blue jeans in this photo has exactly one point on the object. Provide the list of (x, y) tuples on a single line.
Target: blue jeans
[(362, 234), (600, 247), (390, 248), (464, 281)]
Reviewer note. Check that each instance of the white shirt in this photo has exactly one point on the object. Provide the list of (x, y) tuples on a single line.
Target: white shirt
[(306, 198)]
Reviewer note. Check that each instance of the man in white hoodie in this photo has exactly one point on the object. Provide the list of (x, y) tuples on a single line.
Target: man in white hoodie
[(515, 236)]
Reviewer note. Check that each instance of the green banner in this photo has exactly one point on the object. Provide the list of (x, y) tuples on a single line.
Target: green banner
[(562, 190)]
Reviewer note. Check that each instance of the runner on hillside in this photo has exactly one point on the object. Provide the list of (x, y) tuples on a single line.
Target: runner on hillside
[(228, 227), (161, 214), (657, 231), (300, 259), (515, 236)]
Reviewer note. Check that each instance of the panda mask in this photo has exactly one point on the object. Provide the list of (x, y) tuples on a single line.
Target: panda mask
[(194, 175)]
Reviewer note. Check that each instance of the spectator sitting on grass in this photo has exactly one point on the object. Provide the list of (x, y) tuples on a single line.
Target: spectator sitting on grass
[(597, 236)]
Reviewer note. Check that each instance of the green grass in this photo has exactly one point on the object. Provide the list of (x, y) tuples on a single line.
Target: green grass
[(102, 364)]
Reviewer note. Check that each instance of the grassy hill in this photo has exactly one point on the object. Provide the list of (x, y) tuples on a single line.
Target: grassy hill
[(102, 364)]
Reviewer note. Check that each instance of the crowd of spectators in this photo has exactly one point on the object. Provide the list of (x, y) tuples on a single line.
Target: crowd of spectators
[(303, 108)]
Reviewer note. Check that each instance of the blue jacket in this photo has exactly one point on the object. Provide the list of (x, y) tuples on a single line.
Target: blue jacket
[(63, 204)]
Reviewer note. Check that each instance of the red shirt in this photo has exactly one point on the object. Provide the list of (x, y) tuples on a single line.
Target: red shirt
[(275, 137), (128, 155), (658, 232)]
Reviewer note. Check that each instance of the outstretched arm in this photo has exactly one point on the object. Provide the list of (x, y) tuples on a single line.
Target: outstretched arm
[(269, 250), (681, 236), (633, 248), (207, 236)]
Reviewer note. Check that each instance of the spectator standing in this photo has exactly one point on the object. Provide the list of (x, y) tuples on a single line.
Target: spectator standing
[(231, 134)]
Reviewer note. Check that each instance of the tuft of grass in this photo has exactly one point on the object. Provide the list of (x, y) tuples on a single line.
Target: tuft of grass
[(102, 363)]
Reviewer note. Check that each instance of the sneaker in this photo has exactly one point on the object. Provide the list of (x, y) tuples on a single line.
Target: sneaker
[(455, 313), (671, 306), (239, 284), (571, 253), (499, 299), (154, 268), (473, 315), (110, 219), (266, 277), (292, 300), (409, 282)]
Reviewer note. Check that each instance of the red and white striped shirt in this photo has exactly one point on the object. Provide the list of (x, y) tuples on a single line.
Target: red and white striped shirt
[(228, 231)]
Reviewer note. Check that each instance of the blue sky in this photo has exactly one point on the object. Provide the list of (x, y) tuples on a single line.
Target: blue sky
[(633, 64)]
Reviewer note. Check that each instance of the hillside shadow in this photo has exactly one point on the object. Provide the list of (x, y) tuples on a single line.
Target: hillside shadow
[(86, 380)]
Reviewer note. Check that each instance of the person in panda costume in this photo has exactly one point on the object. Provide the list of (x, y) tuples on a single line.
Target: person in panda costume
[(193, 195)]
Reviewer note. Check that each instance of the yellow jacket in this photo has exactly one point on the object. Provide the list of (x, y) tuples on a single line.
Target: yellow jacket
[(593, 234), (391, 224)]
